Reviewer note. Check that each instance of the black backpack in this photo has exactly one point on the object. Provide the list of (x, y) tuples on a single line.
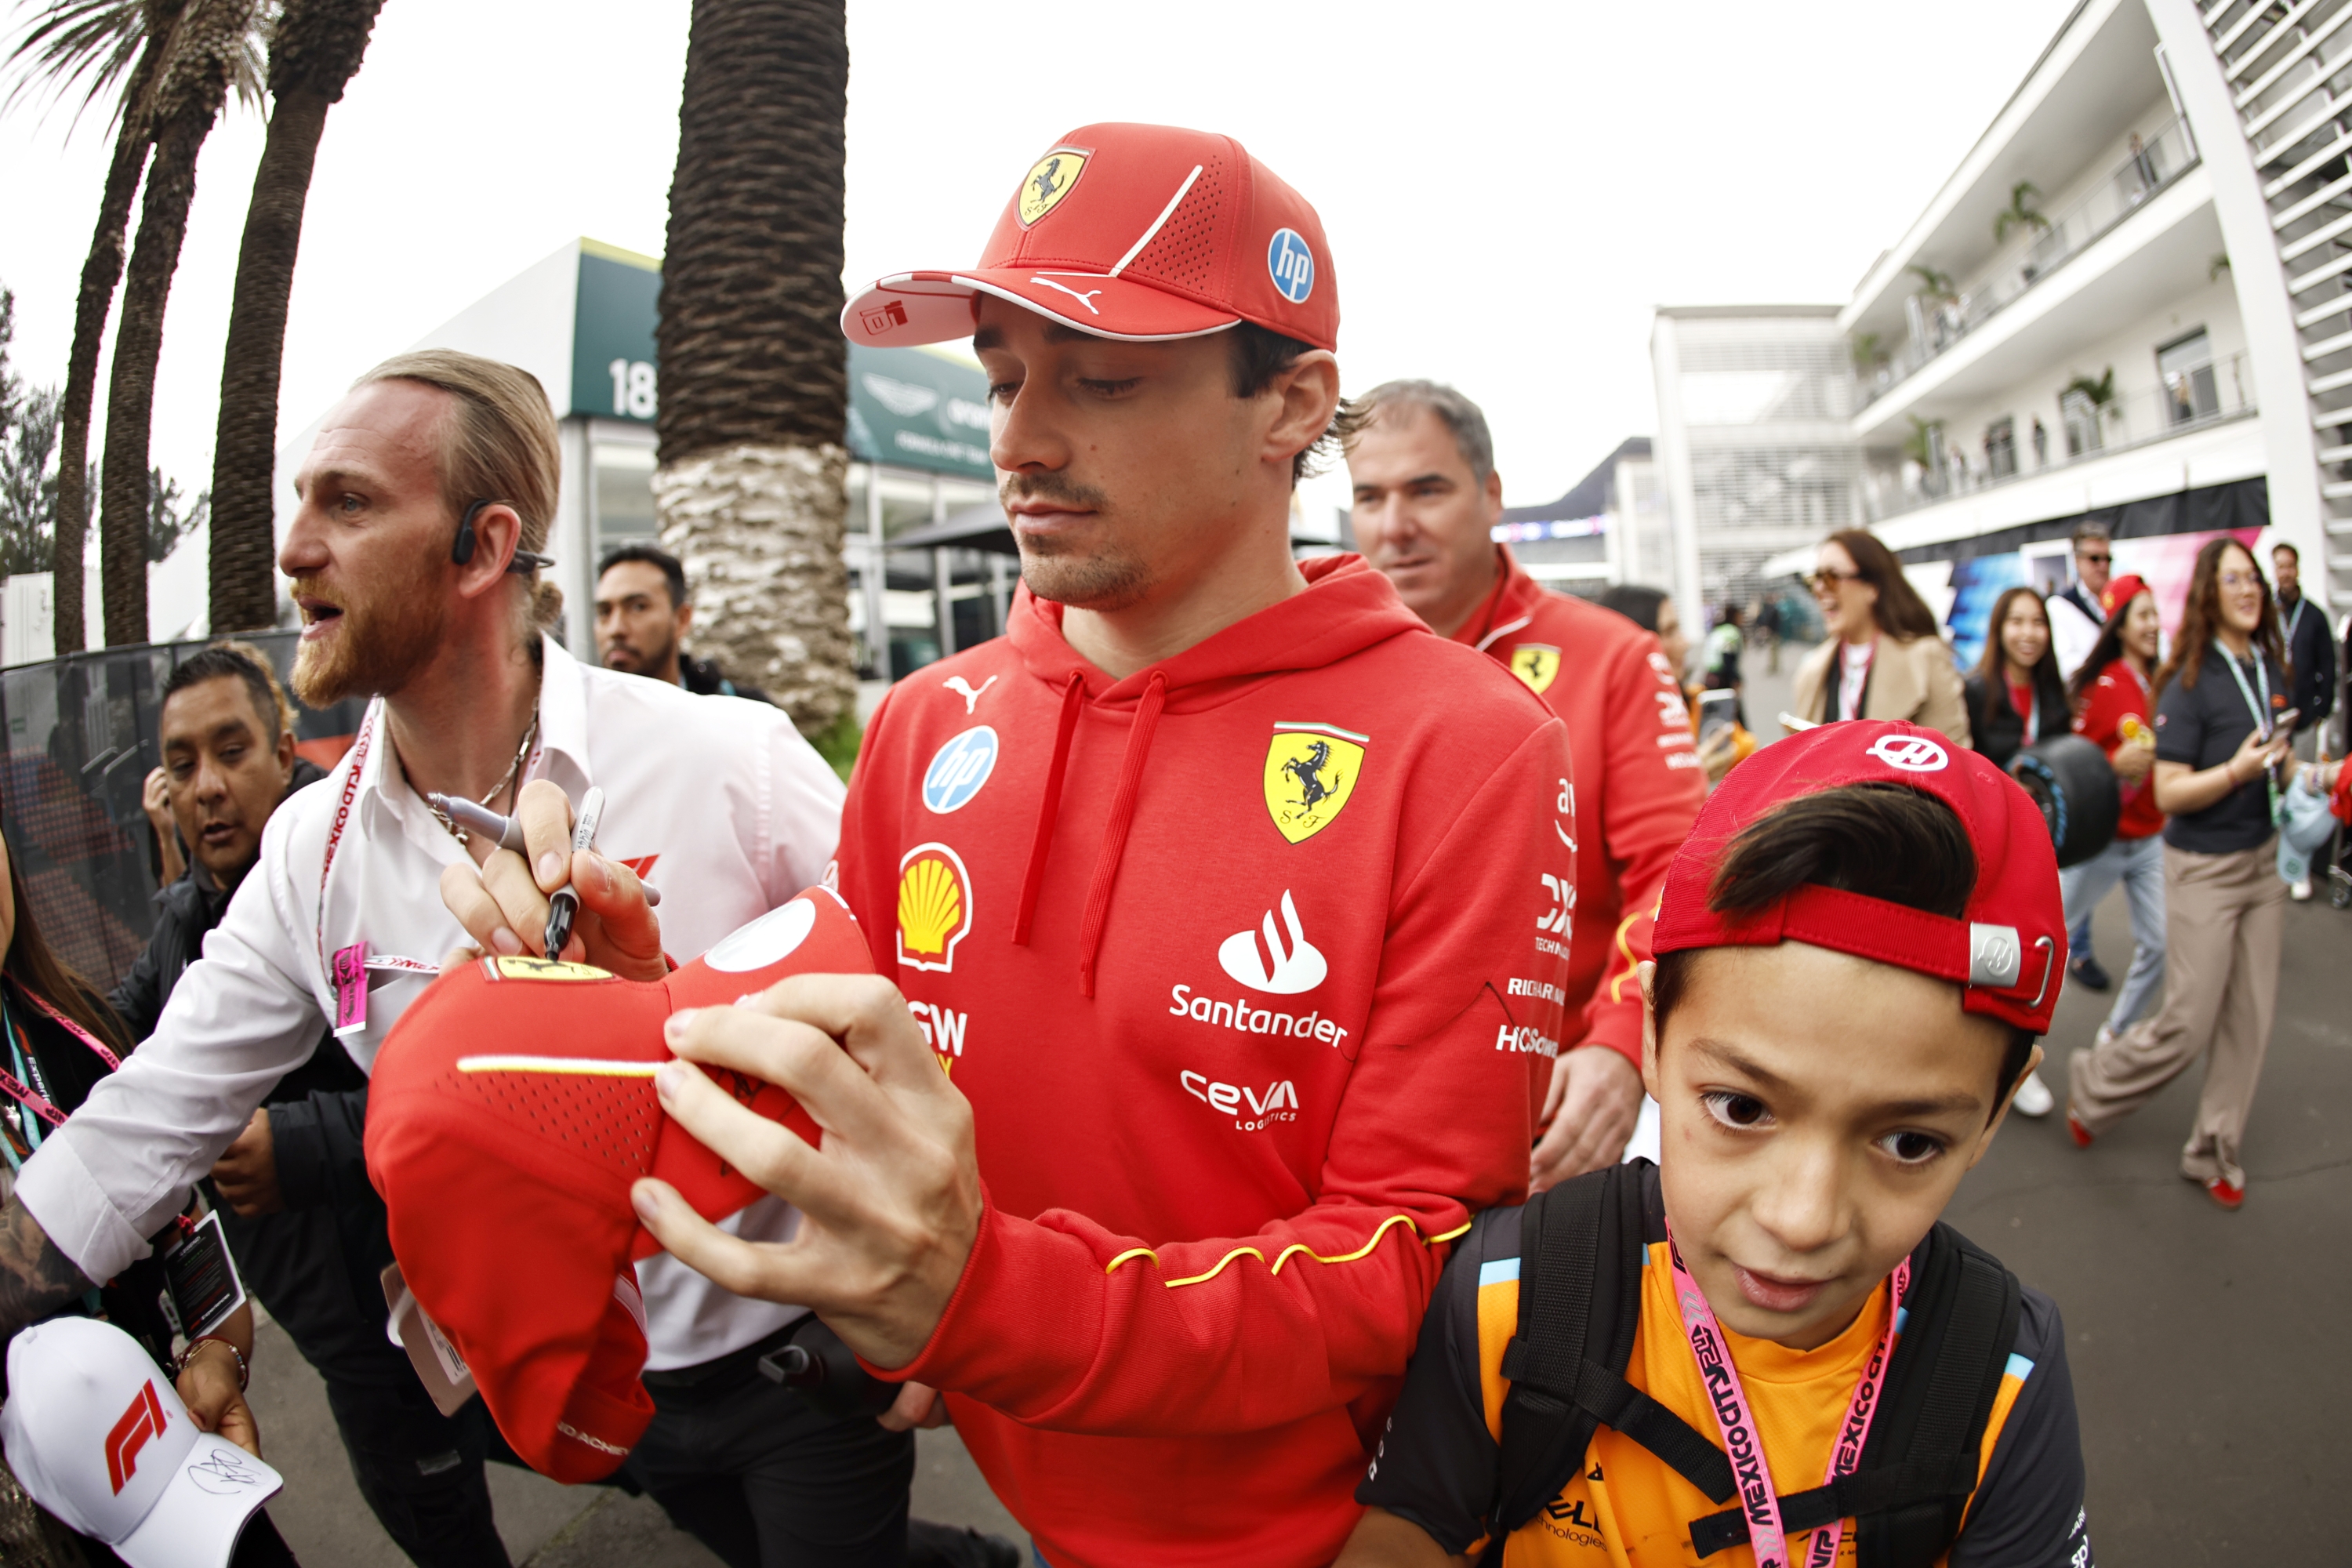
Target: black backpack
[(1581, 1247)]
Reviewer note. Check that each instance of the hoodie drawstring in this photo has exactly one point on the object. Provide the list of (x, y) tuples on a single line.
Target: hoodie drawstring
[(1049, 808), (1122, 814)]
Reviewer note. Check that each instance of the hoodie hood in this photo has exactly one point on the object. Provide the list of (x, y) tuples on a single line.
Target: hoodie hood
[(1346, 608)]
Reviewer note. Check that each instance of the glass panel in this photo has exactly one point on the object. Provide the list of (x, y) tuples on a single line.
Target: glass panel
[(2187, 367), (2000, 448), (624, 495), (2082, 417)]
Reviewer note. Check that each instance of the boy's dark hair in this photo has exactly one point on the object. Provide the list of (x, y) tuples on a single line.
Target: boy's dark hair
[(672, 571), (1883, 841), (236, 661), (1259, 355)]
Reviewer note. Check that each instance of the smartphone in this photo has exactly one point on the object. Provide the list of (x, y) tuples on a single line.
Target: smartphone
[(1715, 712)]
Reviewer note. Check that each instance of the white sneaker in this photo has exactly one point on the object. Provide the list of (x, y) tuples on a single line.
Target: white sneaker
[(2299, 891), (2033, 1097)]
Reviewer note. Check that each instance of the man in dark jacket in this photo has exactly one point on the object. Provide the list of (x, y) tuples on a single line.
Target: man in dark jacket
[(2310, 647), (643, 613), (308, 1232)]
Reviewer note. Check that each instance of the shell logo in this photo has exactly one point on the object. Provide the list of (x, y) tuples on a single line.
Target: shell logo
[(934, 907)]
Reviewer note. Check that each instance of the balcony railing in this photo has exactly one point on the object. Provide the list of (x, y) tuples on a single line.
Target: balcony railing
[(2195, 398), (1937, 322)]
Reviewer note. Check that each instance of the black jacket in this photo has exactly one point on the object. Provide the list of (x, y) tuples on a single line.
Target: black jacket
[(316, 1264), (2311, 654), (701, 676), (1995, 726)]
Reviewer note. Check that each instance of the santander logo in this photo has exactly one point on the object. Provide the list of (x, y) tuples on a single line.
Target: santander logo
[(1282, 972)]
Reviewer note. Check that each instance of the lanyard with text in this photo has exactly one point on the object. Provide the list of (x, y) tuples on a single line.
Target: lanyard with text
[(1743, 1441), (346, 968), (2260, 709)]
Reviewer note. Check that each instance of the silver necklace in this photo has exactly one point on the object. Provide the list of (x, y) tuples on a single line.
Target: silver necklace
[(497, 789)]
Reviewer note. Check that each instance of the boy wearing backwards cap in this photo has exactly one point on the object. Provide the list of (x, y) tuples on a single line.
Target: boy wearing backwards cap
[(1224, 904), (1855, 953)]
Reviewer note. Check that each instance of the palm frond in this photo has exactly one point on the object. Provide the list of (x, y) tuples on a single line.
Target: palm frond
[(75, 47)]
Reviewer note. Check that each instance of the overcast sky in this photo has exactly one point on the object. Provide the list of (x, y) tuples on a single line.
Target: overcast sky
[(1508, 189)]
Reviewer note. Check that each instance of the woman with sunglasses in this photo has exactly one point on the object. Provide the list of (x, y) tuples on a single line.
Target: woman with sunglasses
[(1884, 657)]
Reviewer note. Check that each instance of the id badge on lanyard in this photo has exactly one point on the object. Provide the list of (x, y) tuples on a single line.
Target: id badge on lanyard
[(347, 968), (2260, 709)]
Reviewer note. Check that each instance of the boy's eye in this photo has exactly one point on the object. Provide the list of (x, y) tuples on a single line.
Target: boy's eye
[(1912, 1148), (1001, 392), (1738, 1110), (1112, 388)]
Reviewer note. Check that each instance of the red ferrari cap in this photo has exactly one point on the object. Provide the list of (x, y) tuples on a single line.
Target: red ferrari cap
[(1142, 232), (2120, 591), (509, 1111), (2007, 955)]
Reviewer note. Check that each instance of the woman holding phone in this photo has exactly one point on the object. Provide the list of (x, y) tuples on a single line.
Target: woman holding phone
[(2223, 731)]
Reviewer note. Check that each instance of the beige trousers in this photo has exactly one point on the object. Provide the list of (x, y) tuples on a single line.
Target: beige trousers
[(2225, 916)]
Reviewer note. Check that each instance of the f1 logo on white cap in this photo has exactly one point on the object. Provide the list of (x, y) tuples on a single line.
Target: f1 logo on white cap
[(1910, 754)]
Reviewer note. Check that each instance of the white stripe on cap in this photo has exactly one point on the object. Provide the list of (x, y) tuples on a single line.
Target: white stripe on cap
[(1156, 224)]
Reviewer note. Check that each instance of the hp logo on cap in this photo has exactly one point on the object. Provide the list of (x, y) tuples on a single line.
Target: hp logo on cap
[(1291, 265)]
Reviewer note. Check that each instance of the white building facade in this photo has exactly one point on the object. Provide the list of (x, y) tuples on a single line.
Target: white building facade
[(2130, 303)]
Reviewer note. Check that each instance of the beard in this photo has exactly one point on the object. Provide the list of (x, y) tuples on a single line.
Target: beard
[(390, 631), (1098, 573)]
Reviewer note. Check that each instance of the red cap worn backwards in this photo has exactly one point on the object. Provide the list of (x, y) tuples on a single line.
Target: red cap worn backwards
[(1131, 231), (509, 1111), (2007, 955)]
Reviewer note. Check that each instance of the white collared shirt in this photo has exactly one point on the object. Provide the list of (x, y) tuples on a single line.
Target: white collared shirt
[(718, 801)]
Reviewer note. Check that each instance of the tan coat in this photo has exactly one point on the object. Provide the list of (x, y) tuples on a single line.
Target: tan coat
[(1914, 681)]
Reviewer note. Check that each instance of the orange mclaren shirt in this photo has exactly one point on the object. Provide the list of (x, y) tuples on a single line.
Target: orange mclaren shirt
[(1626, 1508)]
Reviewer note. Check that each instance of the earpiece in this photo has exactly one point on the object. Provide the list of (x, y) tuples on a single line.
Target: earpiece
[(461, 548)]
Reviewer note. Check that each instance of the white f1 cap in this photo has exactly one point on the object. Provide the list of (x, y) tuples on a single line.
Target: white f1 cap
[(95, 1433)]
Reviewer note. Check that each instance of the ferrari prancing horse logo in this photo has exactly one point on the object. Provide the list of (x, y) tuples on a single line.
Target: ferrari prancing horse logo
[(1047, 182), (1310, 771), (1536, 664)]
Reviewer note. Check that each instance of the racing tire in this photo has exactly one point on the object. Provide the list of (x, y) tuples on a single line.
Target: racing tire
[(2072, 783)]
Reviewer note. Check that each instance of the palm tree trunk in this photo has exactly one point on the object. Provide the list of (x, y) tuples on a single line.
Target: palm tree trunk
[(101, 271), (754, 373), (315, 52), (187, 100)]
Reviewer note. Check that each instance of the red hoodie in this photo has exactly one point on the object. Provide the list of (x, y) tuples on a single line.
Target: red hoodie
[(1248, 964), (1639, 782)]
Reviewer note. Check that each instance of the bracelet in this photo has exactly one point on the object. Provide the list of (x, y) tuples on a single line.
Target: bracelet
[(243, 1373)]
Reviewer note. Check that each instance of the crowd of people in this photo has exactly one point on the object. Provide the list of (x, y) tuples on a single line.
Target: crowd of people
[(1272, 961)]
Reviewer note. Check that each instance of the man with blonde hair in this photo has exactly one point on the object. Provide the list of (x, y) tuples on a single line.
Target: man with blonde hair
[(414, 560)]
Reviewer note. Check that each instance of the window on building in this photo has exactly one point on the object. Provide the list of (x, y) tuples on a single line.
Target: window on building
[(624, 495), (2000, 448), (2186, 366), (2082, 417)]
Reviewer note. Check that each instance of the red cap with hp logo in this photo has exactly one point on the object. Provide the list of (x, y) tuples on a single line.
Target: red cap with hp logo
[(1140, 232), (2008, 955)]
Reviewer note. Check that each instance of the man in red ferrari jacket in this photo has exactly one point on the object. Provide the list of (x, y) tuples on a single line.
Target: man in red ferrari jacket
[(1427, 499), (1226, 908)]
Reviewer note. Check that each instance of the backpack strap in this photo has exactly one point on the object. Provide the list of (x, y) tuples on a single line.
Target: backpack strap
[(1918, 1470), (1581, 1248)]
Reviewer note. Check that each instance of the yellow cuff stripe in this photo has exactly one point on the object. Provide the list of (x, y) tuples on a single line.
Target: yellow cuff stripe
[(1284, 1255)]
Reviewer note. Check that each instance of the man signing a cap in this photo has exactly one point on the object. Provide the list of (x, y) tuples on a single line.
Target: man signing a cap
[(1427, 499), (1221, 899)]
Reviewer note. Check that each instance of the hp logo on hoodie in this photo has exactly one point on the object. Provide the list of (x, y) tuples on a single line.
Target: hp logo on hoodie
[(959, 768)]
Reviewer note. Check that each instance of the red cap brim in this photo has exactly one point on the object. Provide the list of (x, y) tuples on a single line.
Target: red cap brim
[(914, 308)]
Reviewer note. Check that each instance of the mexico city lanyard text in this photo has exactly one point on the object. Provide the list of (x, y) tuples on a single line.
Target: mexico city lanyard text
[(1743, 1442)]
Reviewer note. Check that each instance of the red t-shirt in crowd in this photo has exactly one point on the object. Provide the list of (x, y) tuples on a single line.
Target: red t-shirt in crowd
[(2115, 696), (1639, 782), (1252, 966)]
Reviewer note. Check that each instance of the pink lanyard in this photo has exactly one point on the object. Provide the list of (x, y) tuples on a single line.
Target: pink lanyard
[(24, 1093), (1743, 1440), (1861, 687)]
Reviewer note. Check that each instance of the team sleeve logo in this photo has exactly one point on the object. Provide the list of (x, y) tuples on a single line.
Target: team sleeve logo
[(934, 907), (1047, 182), (1310, 772), (1534, 664)]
